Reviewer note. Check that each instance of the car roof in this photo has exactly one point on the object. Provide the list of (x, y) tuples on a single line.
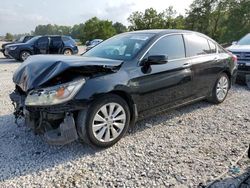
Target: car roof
[(164, 31)]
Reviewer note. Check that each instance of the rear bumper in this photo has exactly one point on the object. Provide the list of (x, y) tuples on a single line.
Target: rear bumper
[(241, 76)]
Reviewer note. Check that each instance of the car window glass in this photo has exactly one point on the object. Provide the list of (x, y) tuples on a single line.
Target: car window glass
[(43, 42), (56, 41), (66, 39), (120, 47), (171, 46), (212, 47), (221, 50), (245, 40), (196, 45)]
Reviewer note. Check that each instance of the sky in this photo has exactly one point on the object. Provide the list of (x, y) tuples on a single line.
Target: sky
[(22, 16)]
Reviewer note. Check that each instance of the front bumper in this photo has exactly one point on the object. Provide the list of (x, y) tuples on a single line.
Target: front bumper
[(56, 123), (243, 72)]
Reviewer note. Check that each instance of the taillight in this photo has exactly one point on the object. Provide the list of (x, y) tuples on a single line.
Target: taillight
[(234, 58)]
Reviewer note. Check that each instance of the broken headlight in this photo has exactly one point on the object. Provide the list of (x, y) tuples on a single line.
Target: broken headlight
[(54, 95)]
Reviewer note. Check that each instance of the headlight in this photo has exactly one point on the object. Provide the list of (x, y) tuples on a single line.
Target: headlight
[(12, 47), (54, 95)]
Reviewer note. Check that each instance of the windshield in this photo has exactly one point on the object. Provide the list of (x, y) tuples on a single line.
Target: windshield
[(121, 47), (33, 40), (245, 40)]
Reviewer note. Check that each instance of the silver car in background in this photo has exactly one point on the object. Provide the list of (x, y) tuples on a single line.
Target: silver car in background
[(242, 50)]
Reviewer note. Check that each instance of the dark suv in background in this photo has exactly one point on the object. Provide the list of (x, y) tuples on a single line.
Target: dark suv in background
[(22, 39), (42, 45)]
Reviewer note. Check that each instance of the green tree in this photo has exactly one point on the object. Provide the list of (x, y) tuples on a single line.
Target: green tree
[(119, 27), (9, 37), (96, 28), (52, 30), (238, 20), (151, 19)]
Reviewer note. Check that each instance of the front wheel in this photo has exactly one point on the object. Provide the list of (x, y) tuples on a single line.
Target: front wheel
[(105, 122), (220, 89), (24, 55)]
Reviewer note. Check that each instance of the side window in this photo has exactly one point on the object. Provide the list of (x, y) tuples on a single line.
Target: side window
[(56, 42), (212, 47), (65, 39), (196, 45), (43, 42), (172, 46)]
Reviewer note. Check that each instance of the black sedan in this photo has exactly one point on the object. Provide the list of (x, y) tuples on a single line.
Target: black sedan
[(97, 97)]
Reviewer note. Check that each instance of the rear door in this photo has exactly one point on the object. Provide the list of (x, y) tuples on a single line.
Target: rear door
[(166, 84), (42, 45), (56, 45), (205, 60)]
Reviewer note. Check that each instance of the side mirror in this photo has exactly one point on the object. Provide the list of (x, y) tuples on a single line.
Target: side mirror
[(155, 60), (234, 42)]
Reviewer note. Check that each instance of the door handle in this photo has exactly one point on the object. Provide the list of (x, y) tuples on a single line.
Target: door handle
[(186, 65)]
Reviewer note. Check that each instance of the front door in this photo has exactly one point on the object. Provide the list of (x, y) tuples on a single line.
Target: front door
[(165, 85), (42, 45)]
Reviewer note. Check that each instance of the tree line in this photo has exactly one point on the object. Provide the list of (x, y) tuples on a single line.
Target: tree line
[(223, 20)]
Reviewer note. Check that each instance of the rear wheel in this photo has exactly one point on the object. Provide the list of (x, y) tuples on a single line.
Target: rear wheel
[(105, 122), (24, 55), (67, 52), (220, 90)]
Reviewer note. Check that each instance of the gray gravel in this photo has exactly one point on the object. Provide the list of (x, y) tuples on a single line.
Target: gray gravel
[(181, 148)]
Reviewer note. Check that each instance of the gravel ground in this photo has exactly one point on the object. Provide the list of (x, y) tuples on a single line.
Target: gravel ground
[(181, 148)]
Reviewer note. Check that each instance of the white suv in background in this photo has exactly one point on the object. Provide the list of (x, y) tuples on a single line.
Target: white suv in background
[(242, 50)]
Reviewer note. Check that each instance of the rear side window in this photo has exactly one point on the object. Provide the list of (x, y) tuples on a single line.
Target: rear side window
[(66, 39), (69, 40), (212, 47), (56, 41), (196, 45), (171, 46), (221, 50)]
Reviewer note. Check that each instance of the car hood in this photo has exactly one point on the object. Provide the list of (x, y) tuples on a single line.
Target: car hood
[(239, 48), (8, 43), (39, 69), (15, 44)]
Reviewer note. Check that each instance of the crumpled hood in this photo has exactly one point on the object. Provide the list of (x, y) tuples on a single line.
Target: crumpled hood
[(239, 48), (39, 69)]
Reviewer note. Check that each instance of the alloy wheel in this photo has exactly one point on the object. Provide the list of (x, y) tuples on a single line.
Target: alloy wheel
[(25, 55), (109, 122), (222, 88)]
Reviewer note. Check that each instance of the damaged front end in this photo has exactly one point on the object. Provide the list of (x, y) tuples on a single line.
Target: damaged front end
[(49, 112), (45, 93)]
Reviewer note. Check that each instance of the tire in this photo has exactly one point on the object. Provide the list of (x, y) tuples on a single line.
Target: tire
[(67, 52), (24, 55), (220, 89), (96, 130)]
